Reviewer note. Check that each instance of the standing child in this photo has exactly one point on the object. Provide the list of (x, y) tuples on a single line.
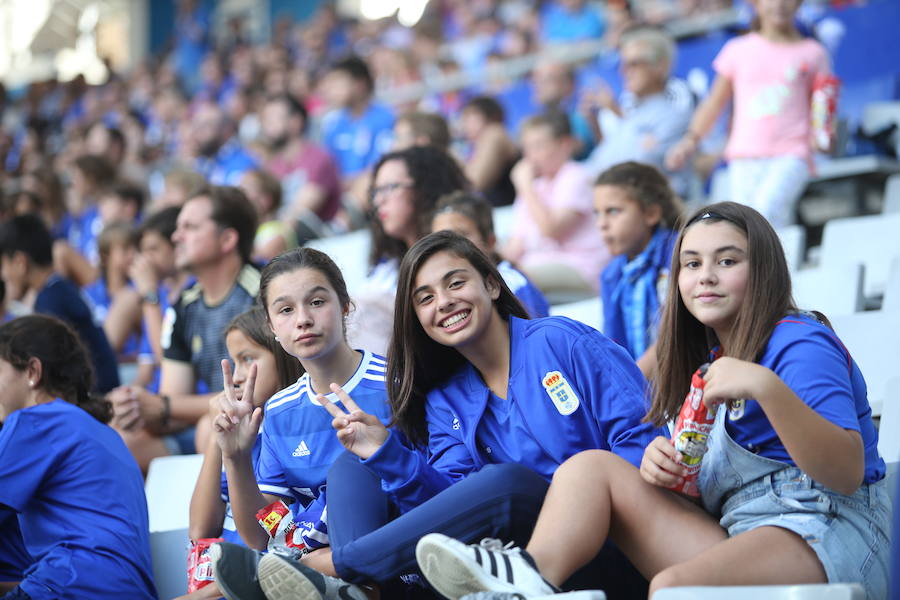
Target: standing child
[(768, 74), (792, 486), (250, 343), (471, 217), (636, 210), (77, 491)]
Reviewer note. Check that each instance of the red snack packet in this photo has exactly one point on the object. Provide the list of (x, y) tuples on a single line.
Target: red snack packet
[(199, 569), (824, 110), (278, 521), (691, 433)]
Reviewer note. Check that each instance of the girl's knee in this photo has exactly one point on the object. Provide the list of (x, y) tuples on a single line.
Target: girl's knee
[(587, 462), (674, 576)]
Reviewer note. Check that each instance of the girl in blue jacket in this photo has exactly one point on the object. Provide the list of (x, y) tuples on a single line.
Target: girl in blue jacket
[(486, 406), (76, 490), (792, 486)]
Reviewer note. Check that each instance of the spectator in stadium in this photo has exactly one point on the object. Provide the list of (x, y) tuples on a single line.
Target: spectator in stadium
[(791, 475), (90, 175), (636, 213), (273, 236), (213, 241), (553, 240), (251, 346), (26, 252), (405, 189), (652, 114), (471, 217), (68, 476), (357, 130), (768, 75), (554, 91), (417, 128), (309, 177), (220, 156), (492, 153), (571, 20), (159, 284)]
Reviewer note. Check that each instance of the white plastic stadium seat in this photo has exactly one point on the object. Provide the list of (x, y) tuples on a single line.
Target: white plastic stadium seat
[(169, 486), (891, 195), (503, 216), (793, 239), (833, 591), (833, 290), (892, 289), (872, 240), (350, 252), (588, 311), (871, 337)]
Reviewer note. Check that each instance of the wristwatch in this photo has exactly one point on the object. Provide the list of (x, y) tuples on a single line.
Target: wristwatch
[(150, 298)]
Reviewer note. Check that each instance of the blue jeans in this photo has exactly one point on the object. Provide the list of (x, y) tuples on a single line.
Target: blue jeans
[(370, 542)]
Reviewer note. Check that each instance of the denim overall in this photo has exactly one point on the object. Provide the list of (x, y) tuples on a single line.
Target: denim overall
[(849, 534)]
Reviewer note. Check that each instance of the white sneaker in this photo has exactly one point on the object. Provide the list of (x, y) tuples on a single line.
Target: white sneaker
[(455, 569)]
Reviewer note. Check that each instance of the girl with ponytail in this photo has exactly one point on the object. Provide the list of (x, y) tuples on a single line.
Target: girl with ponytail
[(76, 490)]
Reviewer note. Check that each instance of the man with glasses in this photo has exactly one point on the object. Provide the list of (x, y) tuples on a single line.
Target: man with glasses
[(653, 113)]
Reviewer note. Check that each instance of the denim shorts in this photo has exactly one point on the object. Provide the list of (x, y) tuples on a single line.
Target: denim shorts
[(849, 534)]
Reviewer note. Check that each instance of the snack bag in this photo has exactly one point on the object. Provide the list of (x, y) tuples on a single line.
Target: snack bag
[(824, 110), (691, 433), (284, 537), (199, 569)]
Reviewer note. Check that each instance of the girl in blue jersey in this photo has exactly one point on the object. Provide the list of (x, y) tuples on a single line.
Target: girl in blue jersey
[(636, 211), (306, 304), (77, 492), (249, 342), (791, 485), (470, 216), (486, 405)]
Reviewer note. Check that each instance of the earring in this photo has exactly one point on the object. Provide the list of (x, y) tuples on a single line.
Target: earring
[(30, 383), (276, 339)]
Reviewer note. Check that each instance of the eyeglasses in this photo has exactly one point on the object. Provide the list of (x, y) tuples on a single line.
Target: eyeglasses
[(387, 188)]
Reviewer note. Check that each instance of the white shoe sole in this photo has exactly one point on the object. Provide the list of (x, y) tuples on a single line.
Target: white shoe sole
[(280, 581), (451, 574)]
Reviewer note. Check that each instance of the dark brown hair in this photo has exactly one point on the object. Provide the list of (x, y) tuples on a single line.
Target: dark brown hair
[(417, 363), (270, 186), (487, 107), (473, 207), (232, 210), (66, 370), (253, 324), (684, 342), (431, 126), (647, 186), (434, 173)]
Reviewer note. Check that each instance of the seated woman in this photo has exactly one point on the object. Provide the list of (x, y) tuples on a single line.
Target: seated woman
[(791, 486), (76, 490)]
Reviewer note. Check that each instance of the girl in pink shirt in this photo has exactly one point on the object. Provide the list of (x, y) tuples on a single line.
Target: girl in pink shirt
[(769, 75)]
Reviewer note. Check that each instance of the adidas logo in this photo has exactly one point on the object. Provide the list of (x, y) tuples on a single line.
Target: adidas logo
[(301, 450)]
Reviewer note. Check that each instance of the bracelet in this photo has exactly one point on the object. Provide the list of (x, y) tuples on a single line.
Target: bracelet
[(166, 411)]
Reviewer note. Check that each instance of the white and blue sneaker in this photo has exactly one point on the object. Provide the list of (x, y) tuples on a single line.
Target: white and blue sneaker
[(455, 569)]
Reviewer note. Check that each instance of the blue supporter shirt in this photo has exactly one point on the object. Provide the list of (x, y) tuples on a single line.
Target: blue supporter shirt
[(570, 389), (79, 496), (62, 299), (14, 558), (356, 143), (298, 442), (559, 24), (228, 165), (527, 293), (83, 231), (229, 529), (812, 361)]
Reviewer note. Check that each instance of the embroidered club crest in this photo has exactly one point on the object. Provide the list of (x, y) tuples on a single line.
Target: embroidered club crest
[(561, 393)]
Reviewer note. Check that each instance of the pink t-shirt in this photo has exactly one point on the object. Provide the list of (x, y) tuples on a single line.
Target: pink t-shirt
[(772, 83), (314, 165), (583, 249)]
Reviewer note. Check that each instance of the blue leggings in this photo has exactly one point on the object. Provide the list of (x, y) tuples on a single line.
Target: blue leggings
[(370, 542)]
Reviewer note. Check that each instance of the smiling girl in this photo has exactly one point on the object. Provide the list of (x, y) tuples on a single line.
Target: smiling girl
[(791, 485), (486, 404)]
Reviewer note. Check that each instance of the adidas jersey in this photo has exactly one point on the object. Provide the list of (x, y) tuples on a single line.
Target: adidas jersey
[(298, 442)]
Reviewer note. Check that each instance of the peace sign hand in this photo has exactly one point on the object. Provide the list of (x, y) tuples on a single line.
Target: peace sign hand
[(237, 425), (359, 432)]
